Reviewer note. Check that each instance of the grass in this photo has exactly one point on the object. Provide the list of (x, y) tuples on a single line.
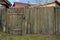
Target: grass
[(4, 36)]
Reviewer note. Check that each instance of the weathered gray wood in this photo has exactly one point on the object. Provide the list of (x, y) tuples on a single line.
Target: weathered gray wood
[(39, 20)]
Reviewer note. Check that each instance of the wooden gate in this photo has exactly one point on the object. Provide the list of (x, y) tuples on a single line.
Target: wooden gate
[(15, 22)]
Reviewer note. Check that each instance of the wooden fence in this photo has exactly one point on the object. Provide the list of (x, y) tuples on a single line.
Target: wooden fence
[(45, 20), (42, 20), (3, 13), (25, 20)]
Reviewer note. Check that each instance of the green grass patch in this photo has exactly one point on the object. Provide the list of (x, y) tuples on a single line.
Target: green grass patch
[(4, 36)]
